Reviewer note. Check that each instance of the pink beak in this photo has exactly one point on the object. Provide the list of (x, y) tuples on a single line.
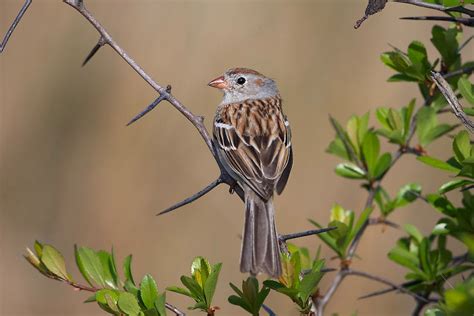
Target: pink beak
[(218, 83)]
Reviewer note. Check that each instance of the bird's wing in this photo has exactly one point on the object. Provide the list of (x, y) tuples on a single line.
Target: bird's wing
[(255, 143)]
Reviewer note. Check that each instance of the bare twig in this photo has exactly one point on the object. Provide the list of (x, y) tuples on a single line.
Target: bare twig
[(390, 289), (438, 7), (14, 24), (383, 221), (461, 71), (463, 21), (323, 301), (418, 308), (464, 44), (174, 309), (268, 310), (284, 238), (389, 283), (448, 93)]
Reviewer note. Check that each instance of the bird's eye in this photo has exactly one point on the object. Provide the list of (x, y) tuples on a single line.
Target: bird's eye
[(241, 80)]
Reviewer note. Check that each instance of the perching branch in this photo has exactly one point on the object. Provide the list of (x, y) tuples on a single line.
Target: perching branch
[(450, 96), (164, 95), (14, 24)]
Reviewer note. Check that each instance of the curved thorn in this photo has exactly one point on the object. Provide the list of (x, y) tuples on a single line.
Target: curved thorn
[(94, 50), (148, 109), (306, 233), (193, 198)]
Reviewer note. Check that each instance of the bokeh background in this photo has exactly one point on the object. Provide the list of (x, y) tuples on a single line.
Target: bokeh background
[(72, 173)]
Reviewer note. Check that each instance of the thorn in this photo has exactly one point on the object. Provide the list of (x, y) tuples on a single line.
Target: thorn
[(194, 197), (306, 233), (148, 109), (94, 50)]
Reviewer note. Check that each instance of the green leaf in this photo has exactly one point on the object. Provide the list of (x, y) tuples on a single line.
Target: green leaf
[(342, 136), (336, 147), (364, 216), (436, 163), (128, 304), (407, 194), (108, 267), (211, 283), (54, 261), (127, 269), (404, 258), (433, 311), (427, 127), (349, 170), (424, 256), (383, 163), (38, 248), (309, 284), (327, 239), (179, 290), (90, 266), (193, 287), (413, 232), (466, 89), (419, 58), (107, 300), (446, 43), (462, 146), (371, 150), (454, 184), (200, 269), (148, 291), (160, 304)]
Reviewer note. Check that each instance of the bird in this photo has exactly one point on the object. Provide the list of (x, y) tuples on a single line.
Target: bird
[(252, 138)]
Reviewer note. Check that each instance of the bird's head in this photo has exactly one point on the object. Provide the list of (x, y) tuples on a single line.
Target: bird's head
[(240, 84)]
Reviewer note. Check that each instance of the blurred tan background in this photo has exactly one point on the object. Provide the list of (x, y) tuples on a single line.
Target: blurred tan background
[(71, 172)]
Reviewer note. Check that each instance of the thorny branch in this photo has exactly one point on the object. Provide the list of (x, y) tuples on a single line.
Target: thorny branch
[(450, 96), (14, 24), (375, 6), (164, 95)]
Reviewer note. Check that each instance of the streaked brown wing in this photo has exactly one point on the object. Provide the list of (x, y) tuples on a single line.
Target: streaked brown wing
[(258, 156)]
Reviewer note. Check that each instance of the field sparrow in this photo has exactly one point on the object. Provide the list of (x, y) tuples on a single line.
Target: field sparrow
[(253, 139)]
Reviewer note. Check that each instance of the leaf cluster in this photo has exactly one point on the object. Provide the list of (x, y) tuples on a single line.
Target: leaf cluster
[(201, 285), (98, 268)]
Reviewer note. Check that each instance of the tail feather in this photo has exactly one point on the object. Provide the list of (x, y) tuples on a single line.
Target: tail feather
[(260, 247)]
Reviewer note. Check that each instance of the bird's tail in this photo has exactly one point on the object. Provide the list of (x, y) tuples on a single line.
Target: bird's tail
[(260, 247)]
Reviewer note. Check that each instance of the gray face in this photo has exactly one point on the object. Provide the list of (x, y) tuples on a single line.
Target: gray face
[(245, 85)]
